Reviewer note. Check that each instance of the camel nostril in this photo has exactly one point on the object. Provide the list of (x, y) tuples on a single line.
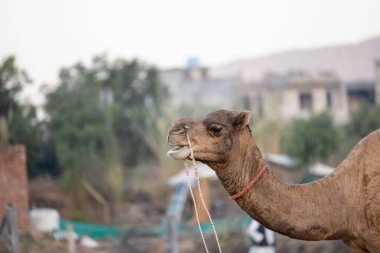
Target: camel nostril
[(177, 131)]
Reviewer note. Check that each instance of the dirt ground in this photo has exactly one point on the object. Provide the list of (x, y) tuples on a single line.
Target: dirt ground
[(45, 243), (138, 206), (143, 206), (233, 242)]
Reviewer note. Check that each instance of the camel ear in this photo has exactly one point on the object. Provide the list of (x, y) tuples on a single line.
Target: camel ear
[(242, 120)]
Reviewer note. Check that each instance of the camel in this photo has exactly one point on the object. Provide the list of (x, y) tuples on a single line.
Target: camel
[(344, 205)]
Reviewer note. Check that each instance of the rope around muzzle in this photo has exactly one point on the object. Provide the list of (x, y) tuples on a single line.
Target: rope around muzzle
[(200, 194)]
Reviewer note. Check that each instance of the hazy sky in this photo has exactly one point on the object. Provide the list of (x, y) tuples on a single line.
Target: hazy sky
[(45, 35)]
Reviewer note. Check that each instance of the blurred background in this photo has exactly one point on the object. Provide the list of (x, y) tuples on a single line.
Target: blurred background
[(89, 88)]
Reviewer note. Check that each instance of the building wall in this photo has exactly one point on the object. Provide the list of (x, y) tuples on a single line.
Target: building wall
[(14, 184), (339, 108), (193, 87), (171, 79), (319, 100), (284, 102), (274, 97), (290, 103)]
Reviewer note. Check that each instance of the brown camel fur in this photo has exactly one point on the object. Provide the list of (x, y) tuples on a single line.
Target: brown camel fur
[(342, 206)]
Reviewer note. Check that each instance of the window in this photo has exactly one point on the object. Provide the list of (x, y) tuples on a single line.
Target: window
[(329, 99), (306, 101)]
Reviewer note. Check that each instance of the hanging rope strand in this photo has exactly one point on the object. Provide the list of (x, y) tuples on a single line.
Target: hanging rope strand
[(195, 206), (201, 193)]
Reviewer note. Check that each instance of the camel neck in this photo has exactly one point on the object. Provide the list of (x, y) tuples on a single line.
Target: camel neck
[(303, 211)]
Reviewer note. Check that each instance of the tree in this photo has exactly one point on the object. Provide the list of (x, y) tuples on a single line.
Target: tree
[(78, 125), (104, 118), (11, 79), (138, 109), (19, 123), (311, 140), (26, 129), (364, 121)]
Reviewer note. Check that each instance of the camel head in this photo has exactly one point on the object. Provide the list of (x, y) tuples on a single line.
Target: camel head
[(216, 140)]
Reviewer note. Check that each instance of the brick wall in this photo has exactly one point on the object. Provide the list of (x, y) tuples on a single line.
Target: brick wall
[(14, 184)]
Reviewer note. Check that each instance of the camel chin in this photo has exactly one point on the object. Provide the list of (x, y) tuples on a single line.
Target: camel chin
[(179, 153)]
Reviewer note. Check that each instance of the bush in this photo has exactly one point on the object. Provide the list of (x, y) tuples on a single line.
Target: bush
[(311, 140), (364, 121)]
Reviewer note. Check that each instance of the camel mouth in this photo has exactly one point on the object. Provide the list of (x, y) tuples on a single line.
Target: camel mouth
[(179, 152)]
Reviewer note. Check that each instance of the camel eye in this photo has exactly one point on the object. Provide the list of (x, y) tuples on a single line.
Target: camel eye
[(215, 130)]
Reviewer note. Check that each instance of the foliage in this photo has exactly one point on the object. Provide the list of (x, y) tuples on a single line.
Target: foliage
[(19, 123), (25, 128), (364, 121), (11, 79), (311, 140), (104, 118)]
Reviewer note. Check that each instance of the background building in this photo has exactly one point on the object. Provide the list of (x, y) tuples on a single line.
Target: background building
[(296, 95)]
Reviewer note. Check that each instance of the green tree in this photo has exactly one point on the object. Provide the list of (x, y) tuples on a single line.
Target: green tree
[(19, 123), (364, 121), (311, 140), (26, 129), (78, 125), (11, 79), (104, 118), (138, 110)]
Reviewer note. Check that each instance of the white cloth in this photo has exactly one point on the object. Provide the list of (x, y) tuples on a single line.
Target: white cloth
[(258, 249), (252, 231)]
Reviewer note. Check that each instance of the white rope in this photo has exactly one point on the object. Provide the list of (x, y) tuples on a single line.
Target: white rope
[(201, 194), (195, 207)]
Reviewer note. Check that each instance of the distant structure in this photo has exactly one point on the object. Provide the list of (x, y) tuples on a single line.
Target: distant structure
[(14, 184), (192, 85), (275, 96), (350, 62), (359, 92), (296, 95)]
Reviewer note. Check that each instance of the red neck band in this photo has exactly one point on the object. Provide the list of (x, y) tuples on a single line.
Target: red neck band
[(248, 186)]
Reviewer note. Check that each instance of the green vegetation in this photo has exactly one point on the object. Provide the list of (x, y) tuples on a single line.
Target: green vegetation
[(106, 123), (11, 79), (104, 119), (364, 121), (317, 139), (19, 123), (311, 140), (25, 128), (101, 121)]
